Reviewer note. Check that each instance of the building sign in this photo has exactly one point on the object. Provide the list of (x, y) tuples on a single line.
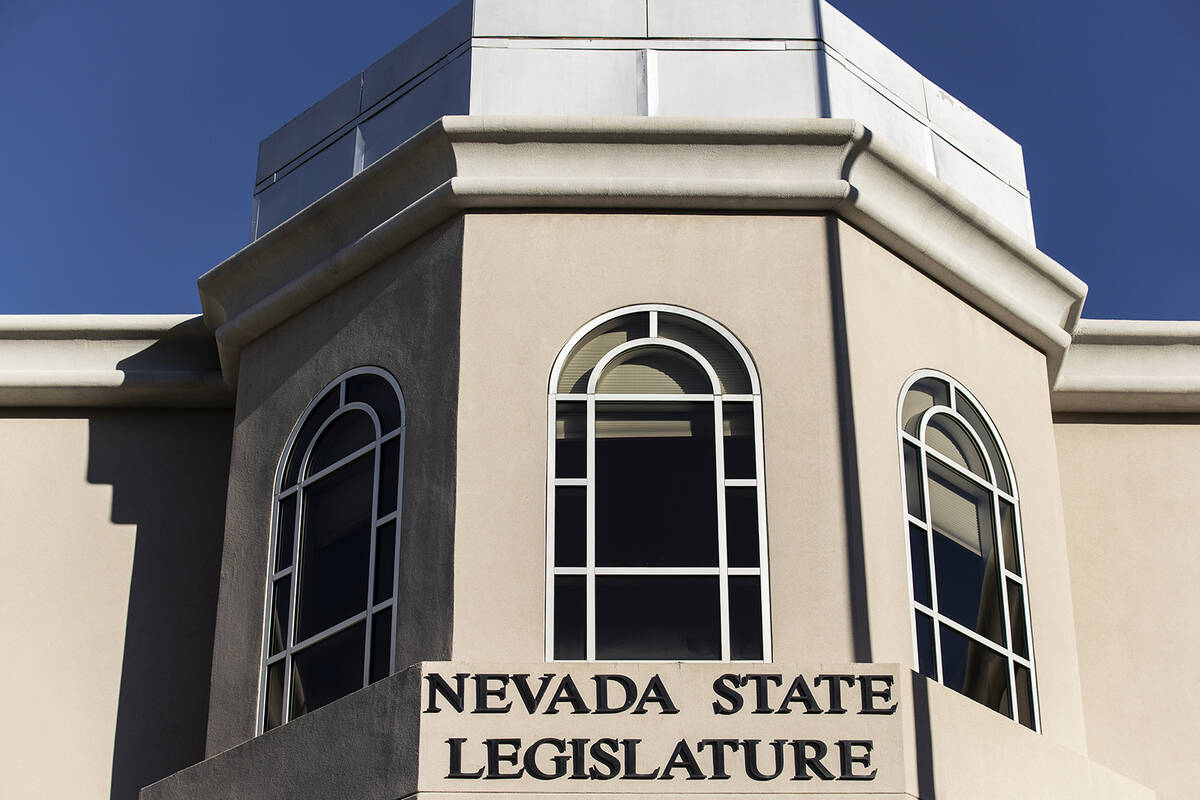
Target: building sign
[(691, 728)]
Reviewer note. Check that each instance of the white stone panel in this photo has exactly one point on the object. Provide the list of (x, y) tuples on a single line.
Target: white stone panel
[(974, 134), (1006, 204), (558, 82), (732, 19), (867, 54), (556, 18), (738, 84), (851, 98)]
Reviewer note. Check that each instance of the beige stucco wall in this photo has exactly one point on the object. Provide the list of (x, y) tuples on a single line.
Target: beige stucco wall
[(109, 541), (530, 281), (898, 321), (1129, 489)]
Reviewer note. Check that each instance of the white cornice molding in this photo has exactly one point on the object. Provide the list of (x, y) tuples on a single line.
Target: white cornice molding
[(1130, 366), (93, 360), (629, 163)]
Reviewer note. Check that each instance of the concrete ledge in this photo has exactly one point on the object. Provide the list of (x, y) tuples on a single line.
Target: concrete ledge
[(461, 164), (1130, 366), (101, 360)]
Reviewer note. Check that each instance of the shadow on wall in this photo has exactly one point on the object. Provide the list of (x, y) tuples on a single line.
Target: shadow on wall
[(168, 469)]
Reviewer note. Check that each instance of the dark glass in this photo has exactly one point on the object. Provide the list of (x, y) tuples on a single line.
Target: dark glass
[(914, 492), (745, 618), (577, 370), (975, 670), (968, 587), (926, 656), (570, 617), (312, 423), (381, 645), (570, 526), (1024, 696), (741, 526), (655, 370), (285, 532), (389, 476), (947, 436), (656, 485), (347, 433), (656, 617), (274, 715), (739, 440), (335, 547), (921, 396), (918, 547), (570, 441), (385, 561), (375, 391), (1008, 530), (280, 610), (328, 670), (1016, 616)]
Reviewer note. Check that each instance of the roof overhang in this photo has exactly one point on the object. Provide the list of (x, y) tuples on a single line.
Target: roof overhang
[(629, 163)]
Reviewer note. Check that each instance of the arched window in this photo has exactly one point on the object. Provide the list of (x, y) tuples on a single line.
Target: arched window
[(969, 595), (334, 548), (656, 522)]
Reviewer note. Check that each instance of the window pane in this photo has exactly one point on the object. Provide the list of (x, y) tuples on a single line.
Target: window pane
[(968, 588), (570, 526), (914, 492), (1024, 697), (570, 617), (389, 476), (921, 396), (335, 547), (741, 525), (926, 657), (280, 611), (381, 645), (658, 618), (1008, 530), (1016, 616), (739, 440), (918, 548), (720, 354), (274, 716), (377, 392), (570, 441), (655, 370), (285, 532), (330, 669), (745, 618), (315, 419), (951, 439), (973, 417), (345, 434), (385, 561), (656, 485), (578, 368), (975, 670)]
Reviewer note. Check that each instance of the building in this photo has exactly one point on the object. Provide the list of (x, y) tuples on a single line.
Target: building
[(647, 398)]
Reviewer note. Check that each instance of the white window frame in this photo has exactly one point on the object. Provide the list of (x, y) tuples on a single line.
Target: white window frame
[(590, 571), (379, 518), (926, 453)]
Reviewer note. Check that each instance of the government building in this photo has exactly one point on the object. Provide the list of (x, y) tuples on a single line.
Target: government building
[(629, 399)]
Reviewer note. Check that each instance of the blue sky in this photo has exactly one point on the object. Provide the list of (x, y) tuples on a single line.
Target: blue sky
[(131, 130)]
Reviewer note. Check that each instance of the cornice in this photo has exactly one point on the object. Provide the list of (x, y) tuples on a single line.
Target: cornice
[(93, 360), (628, 163), (1130, 366)]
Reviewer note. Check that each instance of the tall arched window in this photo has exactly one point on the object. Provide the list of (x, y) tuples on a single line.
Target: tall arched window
[(334, 548), (969, 595), (656, 517)]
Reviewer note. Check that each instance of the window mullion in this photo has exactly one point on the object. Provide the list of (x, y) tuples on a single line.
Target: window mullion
[(551, 482), (763, 561), (722, 549), (590, 645), (370, 622)]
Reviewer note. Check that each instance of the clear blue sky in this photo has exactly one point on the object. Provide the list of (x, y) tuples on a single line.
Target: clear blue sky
[(131, 129)]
